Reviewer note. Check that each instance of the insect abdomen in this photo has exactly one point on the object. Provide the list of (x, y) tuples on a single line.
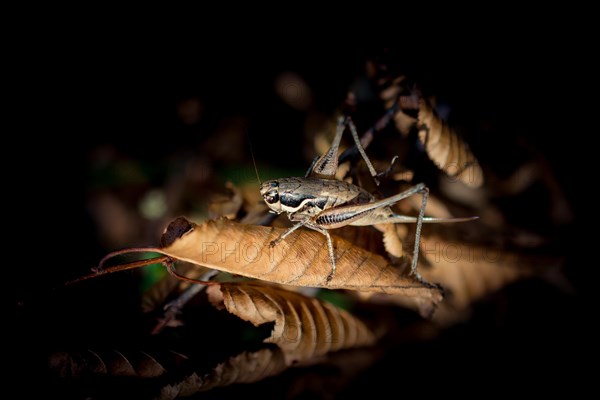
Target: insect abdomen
[(333, 220)]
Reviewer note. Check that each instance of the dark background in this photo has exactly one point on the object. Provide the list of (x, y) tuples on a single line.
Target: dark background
[(124, 93)]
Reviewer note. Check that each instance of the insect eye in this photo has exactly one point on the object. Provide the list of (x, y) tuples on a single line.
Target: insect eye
[(272, 197)]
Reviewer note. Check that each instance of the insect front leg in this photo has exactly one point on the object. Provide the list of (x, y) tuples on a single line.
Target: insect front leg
[(305, 217), (302, 216), (286, 233)]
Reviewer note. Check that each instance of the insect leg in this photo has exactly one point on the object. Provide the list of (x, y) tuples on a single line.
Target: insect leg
[(327, 164), (310, 169), (317, 228), (329, 247), (413, 268), (286, 233), (370, 219), (389, 169), (367, 137), (362, 214), (361, 150)]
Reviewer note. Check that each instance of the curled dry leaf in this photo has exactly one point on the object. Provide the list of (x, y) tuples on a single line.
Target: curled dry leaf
[(302, 259), (113, 363), (393, 236), (305, 327), (446, 149), (443, 145), (246, 367)]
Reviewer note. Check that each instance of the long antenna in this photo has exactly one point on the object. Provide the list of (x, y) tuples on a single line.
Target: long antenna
[(253, 159)]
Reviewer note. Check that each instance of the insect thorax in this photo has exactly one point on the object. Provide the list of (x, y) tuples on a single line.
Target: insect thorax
[(312, 195)]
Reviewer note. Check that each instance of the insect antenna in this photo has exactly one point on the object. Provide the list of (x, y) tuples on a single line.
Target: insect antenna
[(253, 160)]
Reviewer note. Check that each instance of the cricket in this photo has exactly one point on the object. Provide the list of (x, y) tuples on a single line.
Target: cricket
[(321, 202), (317, 201)]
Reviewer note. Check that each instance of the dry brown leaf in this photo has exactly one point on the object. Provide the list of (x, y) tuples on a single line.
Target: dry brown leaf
[(469, 272), (405, 175), (302, 259), (246, 367), (364, 237), (226, 205), (244, 199), (114, 363), (393, 235), (443, 145), (305, 328), (445, 148), (397, 93)]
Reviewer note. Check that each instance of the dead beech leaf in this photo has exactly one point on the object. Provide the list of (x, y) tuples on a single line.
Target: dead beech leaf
[(442, 143), (113, 363), (469, 273), (305, 328), (246, 367), (363, 237), (302, 259), (446, 149)]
